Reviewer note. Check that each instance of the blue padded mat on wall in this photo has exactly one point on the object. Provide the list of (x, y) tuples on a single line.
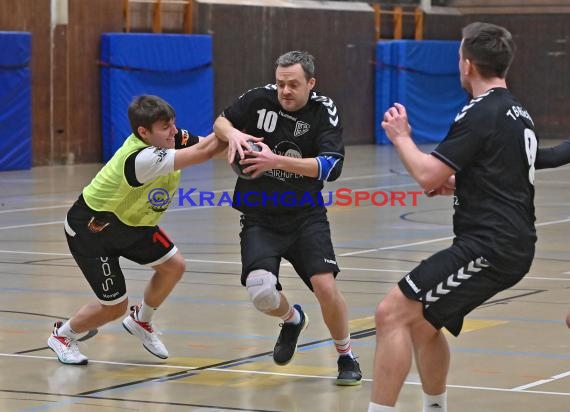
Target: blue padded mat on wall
[(176, 67), (15, 101), (424, 77)]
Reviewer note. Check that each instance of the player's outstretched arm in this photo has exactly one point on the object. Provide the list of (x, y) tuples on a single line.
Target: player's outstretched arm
[(553, 156), (204, 150)]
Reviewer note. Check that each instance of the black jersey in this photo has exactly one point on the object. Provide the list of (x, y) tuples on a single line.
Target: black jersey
[(492, 147), (312, 131)]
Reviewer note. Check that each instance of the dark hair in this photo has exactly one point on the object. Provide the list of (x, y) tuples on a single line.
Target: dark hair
[(491, 48), (147, 109), (306, 60)]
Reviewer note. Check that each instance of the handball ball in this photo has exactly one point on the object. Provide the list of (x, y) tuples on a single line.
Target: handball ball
[(238, 169)]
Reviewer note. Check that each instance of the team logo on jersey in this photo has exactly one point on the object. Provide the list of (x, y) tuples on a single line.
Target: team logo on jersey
[(289, 149), (160, 154), (301, 128)]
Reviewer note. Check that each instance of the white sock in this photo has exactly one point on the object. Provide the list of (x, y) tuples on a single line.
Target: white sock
[(435, 403), (65, 330), (293, 316), (145, 313), (374, 407), (343, 347)]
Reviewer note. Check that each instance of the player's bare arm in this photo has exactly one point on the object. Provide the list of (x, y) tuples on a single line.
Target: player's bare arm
[(202, 151), (430, 172)]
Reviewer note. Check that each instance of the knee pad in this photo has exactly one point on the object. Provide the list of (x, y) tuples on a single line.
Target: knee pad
[(262, 289)]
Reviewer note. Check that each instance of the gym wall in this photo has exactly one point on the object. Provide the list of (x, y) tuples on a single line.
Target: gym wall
[(66, 114)]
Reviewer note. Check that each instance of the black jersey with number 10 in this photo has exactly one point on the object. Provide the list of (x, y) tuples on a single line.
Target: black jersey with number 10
[(307, 133)]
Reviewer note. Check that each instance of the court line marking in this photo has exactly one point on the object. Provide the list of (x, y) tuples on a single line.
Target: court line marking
[(74, 399), (358, 252), (58, 222), (298, 375), (542, 381), (225, 262), (34, 209), (424, 242)]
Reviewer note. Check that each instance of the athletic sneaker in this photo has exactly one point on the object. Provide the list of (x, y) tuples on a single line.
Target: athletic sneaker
[(287, 341), (66, 349), (145, 332), (348, 371)]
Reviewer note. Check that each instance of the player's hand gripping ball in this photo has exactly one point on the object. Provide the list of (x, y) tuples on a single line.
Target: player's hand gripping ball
[(238, 169)]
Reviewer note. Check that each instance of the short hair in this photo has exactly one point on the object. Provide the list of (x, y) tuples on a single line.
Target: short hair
[(147, 109), (305, 59), (491, 48)]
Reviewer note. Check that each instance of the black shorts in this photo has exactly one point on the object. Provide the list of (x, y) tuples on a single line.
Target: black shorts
[(97, 240), (304, 240), (453, 282)]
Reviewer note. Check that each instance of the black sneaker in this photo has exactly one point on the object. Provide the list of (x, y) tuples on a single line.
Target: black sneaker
[(287, 341), (348, 371)]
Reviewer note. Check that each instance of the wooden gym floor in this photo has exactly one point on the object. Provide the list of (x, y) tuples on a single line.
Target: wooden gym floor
[(514, 353)]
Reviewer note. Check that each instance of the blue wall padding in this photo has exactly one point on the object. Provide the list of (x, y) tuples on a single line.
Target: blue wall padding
[(176, 67), (424, 77), (15, 101)]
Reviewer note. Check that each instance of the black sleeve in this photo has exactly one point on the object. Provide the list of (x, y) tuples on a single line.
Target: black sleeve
[(553, 156), (461, 144), (184, 139)]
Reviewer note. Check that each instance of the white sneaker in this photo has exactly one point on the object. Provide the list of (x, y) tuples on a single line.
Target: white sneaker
[(66, 349), (145, 332)]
